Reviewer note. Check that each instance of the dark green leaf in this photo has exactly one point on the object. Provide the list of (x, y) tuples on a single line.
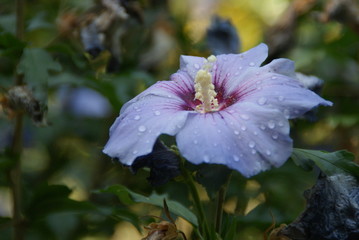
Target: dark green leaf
[(329, 163), (128, 197), (35, 65)]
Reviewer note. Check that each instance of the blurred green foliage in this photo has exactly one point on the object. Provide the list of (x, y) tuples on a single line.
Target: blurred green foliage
[(62, 164)]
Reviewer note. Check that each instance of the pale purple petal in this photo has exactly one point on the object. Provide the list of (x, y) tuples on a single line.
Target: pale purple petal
[(230, 70), (245, 137), (191, 65), (274, 86), (140, 123)]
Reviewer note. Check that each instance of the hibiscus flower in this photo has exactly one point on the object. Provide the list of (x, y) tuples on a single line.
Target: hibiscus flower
[(226, 110)]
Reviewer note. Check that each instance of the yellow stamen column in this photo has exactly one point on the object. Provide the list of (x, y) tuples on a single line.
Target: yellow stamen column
[(205, 89)]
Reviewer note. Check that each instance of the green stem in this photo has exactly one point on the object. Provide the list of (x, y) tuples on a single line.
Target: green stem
[(220, 202), (204, 229), (16, 146)]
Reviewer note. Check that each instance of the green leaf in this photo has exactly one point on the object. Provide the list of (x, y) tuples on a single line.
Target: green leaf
[(35, 65), (329, 163), (128, 197)]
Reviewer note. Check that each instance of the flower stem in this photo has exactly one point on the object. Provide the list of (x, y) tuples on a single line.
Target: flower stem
[(204, 229), (220, 202), (16, 146)]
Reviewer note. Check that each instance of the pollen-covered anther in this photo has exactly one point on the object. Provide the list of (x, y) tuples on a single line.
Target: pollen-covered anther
[(205, 89)]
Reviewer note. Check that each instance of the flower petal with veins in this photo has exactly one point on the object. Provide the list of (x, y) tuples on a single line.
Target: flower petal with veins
[(248, 131)]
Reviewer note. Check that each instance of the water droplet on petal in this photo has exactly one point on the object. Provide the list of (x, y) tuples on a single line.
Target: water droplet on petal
[(268, 152), (275, 136), (157, 113), (236, 132), (274, 77), (255, 133), (280, 124), (240, 68), (236, 73), (244, 116), (228, 74), (251, 64), (235, 158), (244, 128), (254, 151), (251, 144), (262, 127), (262, 101), (142, 128), (271, 124), (206, 159), (147, 141), (286, 113), (196, 66), (137, 117), (134, 152)]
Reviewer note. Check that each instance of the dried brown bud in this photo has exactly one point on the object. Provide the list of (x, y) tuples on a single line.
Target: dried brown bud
[(20, 99)]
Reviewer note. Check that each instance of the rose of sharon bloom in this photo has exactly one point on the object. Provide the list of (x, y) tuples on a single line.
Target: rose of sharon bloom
[(225, 110)]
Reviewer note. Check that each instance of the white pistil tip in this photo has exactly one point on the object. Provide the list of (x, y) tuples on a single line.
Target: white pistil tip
[(205, 89)]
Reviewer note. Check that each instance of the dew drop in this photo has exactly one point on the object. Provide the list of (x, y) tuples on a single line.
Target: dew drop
[(137, 117), (268, 152), (236, 73), (240, 68), (235, 158), (228, 74), (147, 141), (236, 132), (251, 144), (280, 124), (275, 136), (254, 151), (262, 127), (251, 64), (244, 128), (196, 66), (206, 159), (255, 133), (262, 101), (271, 124), (244, 116), (157, 113), (142, 128), (134, 152), (274, 77), (280, 98), (286, 113)]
